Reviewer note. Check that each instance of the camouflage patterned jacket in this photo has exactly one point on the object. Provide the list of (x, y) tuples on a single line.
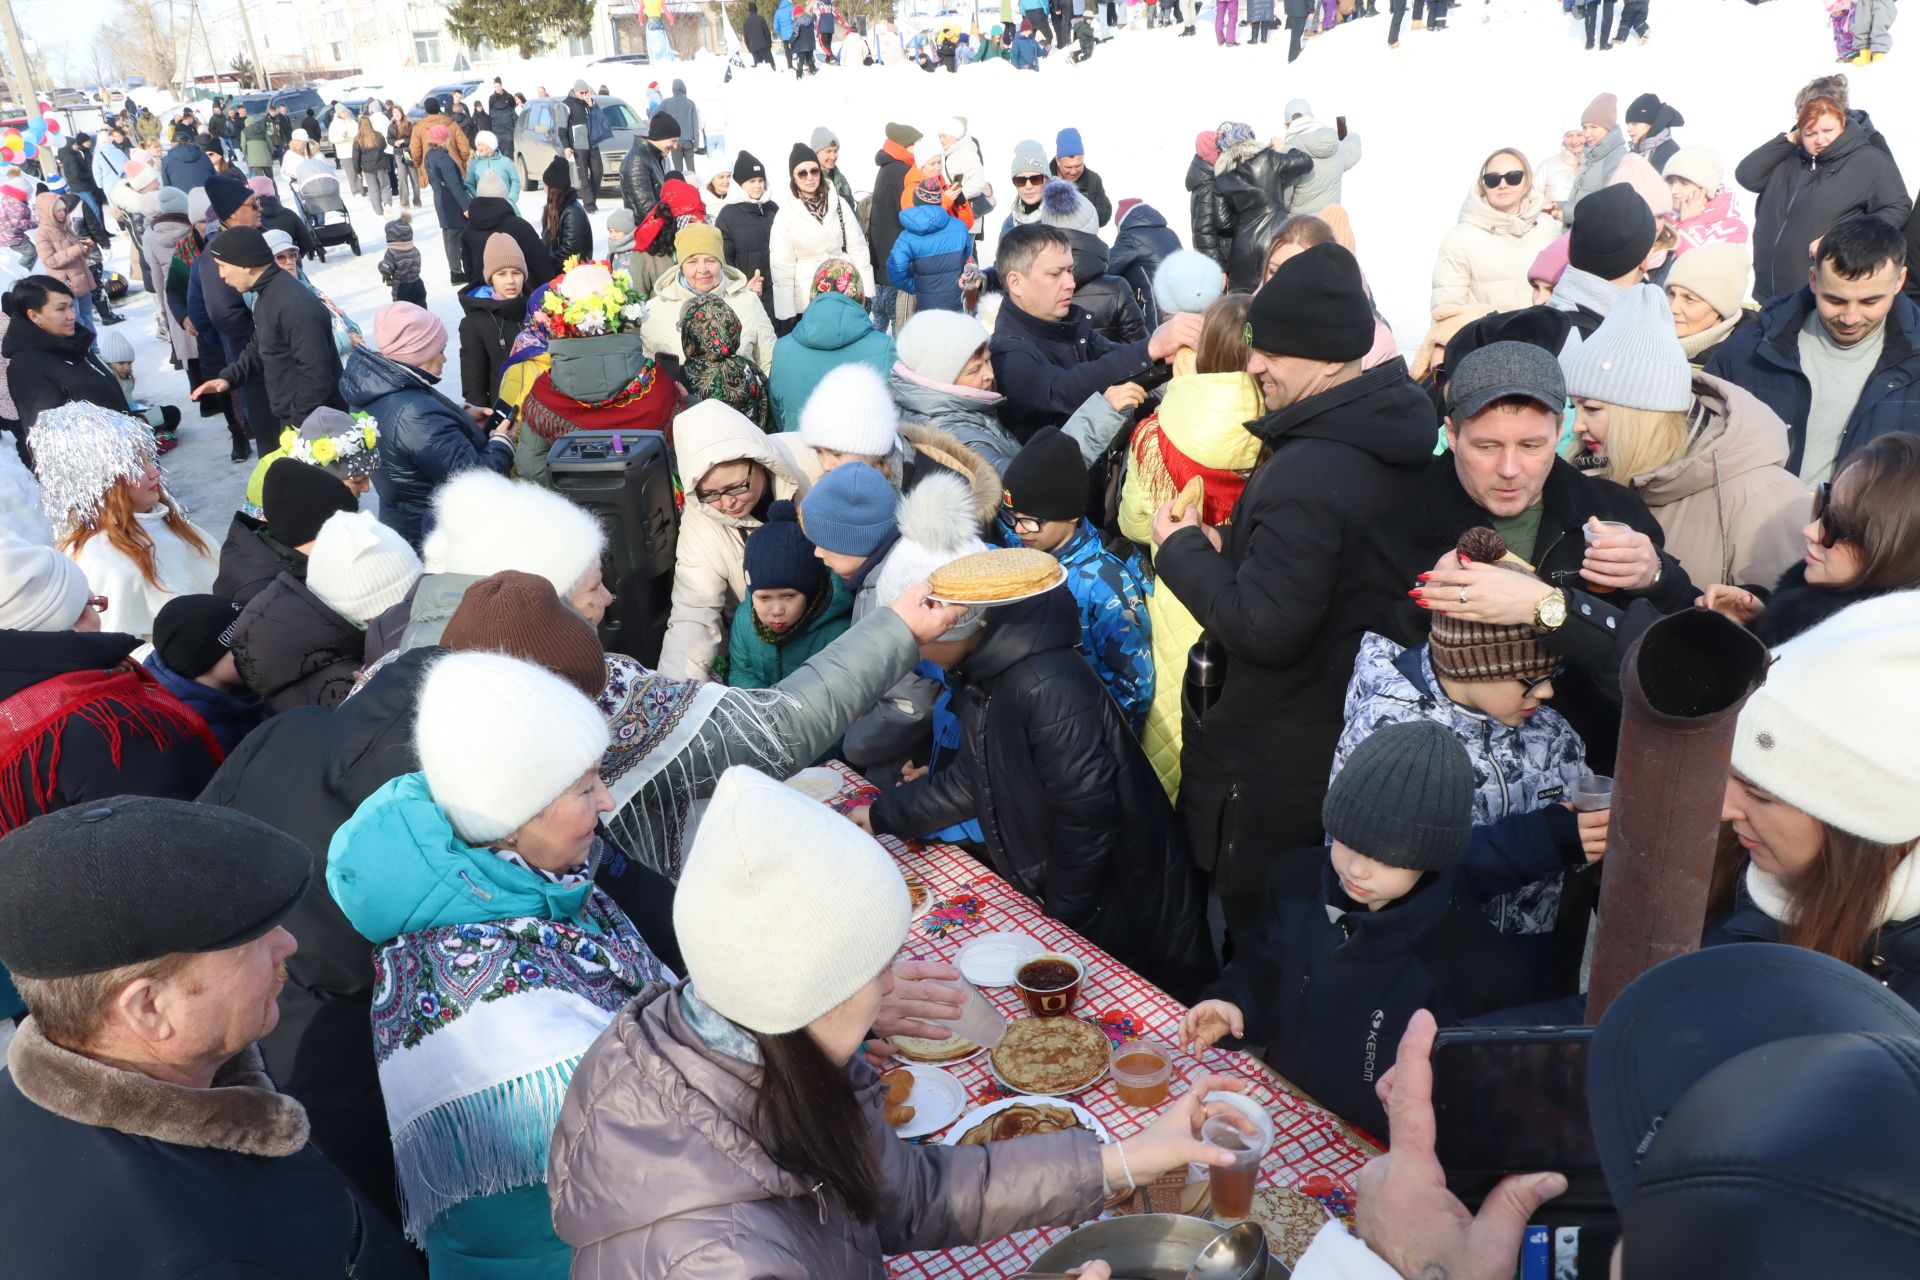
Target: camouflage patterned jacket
[(1114, 631)]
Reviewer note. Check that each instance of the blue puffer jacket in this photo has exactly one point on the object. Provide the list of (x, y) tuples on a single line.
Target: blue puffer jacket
[(833, 331), (185, 166), (424, 438), (927, 258), (1523, 839), (1764, 357)]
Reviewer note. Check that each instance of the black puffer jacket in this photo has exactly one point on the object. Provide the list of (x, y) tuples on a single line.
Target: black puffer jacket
[(745, 228), (1075, 820), (1107, 297), (293, 650), (1281, 600), (251, 558), (1250, 188), (894, 162), (488, 327), (1800, 198), (642, 174), (292, 349), (1143, 244), (45, 371), (1796, 605), (573, 237), (490, 214), (1203, 211)]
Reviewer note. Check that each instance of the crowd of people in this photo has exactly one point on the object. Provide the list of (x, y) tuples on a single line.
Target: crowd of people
[(502, 977)]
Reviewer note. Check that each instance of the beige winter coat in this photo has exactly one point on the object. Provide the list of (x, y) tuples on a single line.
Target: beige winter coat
[(1731, 510), (656, 1171), (660, 331), (709, 571), (63, 255), (1484, 257)]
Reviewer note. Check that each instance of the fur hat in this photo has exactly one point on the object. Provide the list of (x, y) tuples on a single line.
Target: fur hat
[(1717, 273), (359, 567), (764, 856), (500, 739), (938, 525), (1187, 280), (519, 615), (486, 138), (936, 344), (484, 523), (1062, 206), (1633, 359), (851, 411)]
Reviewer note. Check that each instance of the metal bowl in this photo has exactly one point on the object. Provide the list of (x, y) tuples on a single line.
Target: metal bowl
[(1142, 1246)]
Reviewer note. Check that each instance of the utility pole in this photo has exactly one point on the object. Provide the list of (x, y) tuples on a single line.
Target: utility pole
[(21, 81), (246, 29)]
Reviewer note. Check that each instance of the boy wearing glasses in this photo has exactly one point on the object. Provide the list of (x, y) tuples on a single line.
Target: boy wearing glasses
[(1487, 684)]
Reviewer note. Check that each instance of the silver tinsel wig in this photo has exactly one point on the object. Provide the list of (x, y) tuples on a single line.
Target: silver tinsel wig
[(79, 450)]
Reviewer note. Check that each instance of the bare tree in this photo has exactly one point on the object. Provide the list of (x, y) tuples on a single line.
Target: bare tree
[(140, 38)]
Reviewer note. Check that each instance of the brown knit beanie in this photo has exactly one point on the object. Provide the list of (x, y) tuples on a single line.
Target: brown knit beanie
[(520, 615), (502, 251), (1480, 652)]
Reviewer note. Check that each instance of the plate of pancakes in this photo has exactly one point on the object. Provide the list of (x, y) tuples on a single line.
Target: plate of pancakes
[(937, 1053), (1020, 1117), (1052, 1055), (1000, 576)]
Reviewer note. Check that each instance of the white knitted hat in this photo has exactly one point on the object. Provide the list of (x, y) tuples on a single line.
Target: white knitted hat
[(937, 344), (1717, 273), (40, 589), (1831, 731), (113, 347), (927, 149), (937, 526), (500, 739), (1700, 165), (851, 411), (1634, 358), (484, 523), (785, 909), (359, 567)]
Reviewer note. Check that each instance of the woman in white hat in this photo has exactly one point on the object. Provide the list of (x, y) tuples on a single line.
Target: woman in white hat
[(730, 1126)]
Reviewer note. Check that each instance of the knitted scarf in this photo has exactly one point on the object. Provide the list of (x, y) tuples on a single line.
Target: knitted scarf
[(1166, 471), (477, 1029), (122, 701), (815, 204), (815, 603), (710, 335)]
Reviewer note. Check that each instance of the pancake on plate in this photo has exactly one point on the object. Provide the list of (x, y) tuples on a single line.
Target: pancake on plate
[(1006, 573), (915, 1049), (1052, 1055), (1018, 1121)]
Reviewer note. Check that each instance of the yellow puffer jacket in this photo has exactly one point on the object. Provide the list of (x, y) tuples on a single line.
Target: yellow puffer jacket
[(1201, 416)]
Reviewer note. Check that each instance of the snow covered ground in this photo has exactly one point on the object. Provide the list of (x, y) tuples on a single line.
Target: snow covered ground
[(1427, 113)]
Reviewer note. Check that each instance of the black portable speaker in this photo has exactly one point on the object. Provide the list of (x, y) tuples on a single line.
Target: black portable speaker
[(625, 479)]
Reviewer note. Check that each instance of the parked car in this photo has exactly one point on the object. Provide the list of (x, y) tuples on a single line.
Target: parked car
[(620, 59), (444, 92), (538, 138)]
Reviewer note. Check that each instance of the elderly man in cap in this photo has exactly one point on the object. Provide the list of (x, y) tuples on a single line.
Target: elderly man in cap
[(1345, 447), (143, 1135)]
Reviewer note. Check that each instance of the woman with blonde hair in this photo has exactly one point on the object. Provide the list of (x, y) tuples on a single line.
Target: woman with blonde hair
[(100, 482), (1196, 434), (1707, 456), (1502, 228)]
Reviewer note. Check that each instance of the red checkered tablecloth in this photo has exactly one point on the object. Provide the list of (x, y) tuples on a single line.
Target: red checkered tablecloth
[(1310, 1142)]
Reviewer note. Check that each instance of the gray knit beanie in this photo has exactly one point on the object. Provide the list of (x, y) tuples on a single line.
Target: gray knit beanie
[(1634, 358), (1404, 798), (1029, 157)]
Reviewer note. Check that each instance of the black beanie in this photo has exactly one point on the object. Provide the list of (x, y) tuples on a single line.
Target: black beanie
[(192, 633), (1613, 232), (298, 498), (242, 247), (747, 165), (1315, 307), (779, 557), (1048, 477), (1404, 798), (1643, 110), (801, 154), (662, 128), (558, 173)]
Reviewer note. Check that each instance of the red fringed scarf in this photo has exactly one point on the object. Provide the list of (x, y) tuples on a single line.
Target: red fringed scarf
[(1220, 489), (118, 701)]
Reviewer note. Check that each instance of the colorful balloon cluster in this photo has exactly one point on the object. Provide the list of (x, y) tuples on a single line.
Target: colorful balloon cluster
[(17, 144)]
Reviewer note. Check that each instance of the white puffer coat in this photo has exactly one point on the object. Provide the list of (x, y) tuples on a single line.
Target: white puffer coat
[(798, 245), (1485, 256)]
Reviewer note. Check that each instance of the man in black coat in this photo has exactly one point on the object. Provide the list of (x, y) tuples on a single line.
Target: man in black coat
[(503, 113), (894, 160), (1143, 243), (756, 36), (1070, 162), (137, 1076), (292, 346), (1274, 589), (218, 314), (1047, 359), (644, 171), (490, 213), (1065, 796)]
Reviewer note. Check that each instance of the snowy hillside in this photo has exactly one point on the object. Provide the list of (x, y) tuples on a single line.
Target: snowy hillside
[(1427, 113)]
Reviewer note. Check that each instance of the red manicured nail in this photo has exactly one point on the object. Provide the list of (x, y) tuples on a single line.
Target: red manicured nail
[(1423, 577), (1423, 604), (1414, 594), (1464, 558)]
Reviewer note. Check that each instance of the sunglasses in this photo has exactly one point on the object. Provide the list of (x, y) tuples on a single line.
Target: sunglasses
[(1834, 527), (1512, 177), (1030, 180), (807, 171)]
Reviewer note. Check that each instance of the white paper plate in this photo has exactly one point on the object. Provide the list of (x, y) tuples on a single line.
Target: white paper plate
[(904, 1060), (992, 959), (994, 604), (817, 783), (937, 1101), (975, 1116)]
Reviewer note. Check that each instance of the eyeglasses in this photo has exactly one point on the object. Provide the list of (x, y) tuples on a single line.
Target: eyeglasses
[(1512, 177), (711, 496), (1029, 179), (1532, 687), (807, 171), (1834, 527), (1023, 524)]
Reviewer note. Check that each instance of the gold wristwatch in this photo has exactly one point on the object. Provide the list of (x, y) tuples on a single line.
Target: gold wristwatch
[(1550, 614)]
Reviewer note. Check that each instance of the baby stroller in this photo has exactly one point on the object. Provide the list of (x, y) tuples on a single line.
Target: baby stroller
[(325, 210)]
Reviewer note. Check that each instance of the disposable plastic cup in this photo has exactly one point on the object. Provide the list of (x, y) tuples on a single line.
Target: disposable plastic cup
[(979, 1022), (1592, 793)]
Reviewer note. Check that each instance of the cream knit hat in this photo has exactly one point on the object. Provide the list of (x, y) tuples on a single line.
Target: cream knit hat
[(500, 739), (1702, 166), (1717, 273), (785, 909), (851, 411), (1634, 358), (359, 567), (1831, 731)]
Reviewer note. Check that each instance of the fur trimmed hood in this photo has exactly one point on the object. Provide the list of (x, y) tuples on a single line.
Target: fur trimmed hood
[(242, 1112), (943, 449)]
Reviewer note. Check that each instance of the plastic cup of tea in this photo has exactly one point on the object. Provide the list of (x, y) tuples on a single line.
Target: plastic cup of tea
[(1050, 983), (979, 1022), (1142, 1073), (1233, 1184), (1592, 793), (1594, 530)]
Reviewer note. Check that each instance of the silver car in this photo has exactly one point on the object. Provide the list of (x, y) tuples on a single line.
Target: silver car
[(540, 136)]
